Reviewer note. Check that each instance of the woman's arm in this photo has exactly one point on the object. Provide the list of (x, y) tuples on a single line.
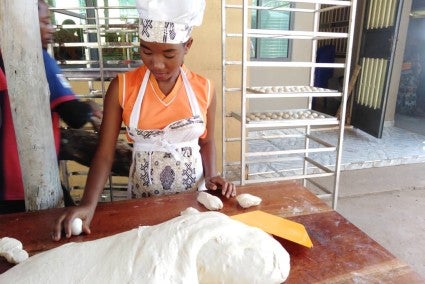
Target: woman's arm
[(208, 154), (100, 166)]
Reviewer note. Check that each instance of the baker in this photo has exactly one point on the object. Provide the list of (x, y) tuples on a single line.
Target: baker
[(168, 112)]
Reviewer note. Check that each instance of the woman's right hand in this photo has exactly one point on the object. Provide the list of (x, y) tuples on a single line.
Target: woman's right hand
[(63, 222)]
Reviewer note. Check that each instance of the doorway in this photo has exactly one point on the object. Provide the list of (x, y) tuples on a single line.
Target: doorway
[(410, 108), (377, 52)]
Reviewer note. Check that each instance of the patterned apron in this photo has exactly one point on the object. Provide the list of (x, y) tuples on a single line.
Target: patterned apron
[(165, 161)]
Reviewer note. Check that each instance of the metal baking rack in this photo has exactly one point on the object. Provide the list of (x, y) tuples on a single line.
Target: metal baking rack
[(265, 145)]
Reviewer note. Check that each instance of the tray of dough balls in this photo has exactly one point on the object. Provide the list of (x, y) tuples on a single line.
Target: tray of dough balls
[(287, 116), (288, 89)]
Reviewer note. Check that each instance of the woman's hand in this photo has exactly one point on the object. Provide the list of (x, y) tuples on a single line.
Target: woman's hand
[(228, 189), (63, 222)]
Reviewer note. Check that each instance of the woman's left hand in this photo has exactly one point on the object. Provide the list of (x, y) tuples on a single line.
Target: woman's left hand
[(228, 189)]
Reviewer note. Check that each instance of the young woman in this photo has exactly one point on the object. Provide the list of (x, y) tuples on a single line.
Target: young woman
[(168, 112)]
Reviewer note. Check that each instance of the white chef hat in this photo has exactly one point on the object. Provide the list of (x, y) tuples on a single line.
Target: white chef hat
[(169, 21)]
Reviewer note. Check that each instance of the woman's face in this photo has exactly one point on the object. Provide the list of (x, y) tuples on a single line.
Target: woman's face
[(46, 28), (164, 59)]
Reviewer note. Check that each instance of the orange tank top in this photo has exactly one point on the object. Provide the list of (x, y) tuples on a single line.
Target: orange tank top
[(159, 110)]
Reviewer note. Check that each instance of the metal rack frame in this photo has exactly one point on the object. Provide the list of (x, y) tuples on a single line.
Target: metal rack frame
[(308, 126)]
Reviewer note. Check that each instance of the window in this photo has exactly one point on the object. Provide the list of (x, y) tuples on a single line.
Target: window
[(270, 48)]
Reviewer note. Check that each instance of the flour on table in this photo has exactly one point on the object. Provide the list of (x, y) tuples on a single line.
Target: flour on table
[(206, 247)]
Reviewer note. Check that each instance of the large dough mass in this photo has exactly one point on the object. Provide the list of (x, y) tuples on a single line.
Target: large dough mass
[(204, 247)]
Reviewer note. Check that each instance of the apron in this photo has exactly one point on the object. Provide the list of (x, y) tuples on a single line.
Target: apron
[(165, 161)]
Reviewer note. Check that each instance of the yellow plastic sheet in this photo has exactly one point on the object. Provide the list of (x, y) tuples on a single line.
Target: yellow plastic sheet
[(277, 226)]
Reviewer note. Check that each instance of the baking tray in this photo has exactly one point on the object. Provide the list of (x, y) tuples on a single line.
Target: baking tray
[(287, 117), (288, 89)]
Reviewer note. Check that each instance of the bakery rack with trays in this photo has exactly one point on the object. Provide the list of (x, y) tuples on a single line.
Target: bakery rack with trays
[(253, 137)]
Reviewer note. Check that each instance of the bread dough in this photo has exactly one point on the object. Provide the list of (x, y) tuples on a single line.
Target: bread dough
[(76, 227), (247, 200), (210, 201), (189, 210), (206, 247), (12, 250)]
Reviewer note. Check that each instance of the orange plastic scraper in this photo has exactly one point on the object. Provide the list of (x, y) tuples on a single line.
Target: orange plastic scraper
[(277, 226)]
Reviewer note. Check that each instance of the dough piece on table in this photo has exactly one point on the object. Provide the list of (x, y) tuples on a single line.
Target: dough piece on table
[(76, 227), (247, 200), (12, 250), (189, 210), (210, 201), (208, 247)]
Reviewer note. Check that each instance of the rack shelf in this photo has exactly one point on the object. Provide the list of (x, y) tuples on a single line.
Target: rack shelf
[(285, 118)]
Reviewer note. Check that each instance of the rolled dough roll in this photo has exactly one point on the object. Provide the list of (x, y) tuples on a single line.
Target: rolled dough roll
[(247, 200), (210, 201)]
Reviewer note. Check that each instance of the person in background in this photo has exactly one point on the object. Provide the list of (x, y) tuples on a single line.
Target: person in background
[(64, 105), (169, 114)]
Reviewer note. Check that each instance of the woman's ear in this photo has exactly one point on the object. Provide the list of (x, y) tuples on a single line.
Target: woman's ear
[(187, 45)]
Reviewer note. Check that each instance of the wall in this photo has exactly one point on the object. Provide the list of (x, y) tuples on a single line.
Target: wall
[(205, 58)]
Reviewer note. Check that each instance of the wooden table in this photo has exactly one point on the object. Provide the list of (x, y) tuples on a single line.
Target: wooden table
[(341, 252)]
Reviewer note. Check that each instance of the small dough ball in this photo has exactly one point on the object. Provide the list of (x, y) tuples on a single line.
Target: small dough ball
[(246, 200), (76, 227), (210, 201), (16, 255), (8, 244), (12, 250)]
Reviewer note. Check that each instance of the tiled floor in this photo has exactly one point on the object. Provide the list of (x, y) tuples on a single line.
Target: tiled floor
[(360, 150), (396, 147)]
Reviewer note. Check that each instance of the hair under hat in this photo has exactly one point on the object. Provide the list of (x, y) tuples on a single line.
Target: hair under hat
[(169, 21)]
